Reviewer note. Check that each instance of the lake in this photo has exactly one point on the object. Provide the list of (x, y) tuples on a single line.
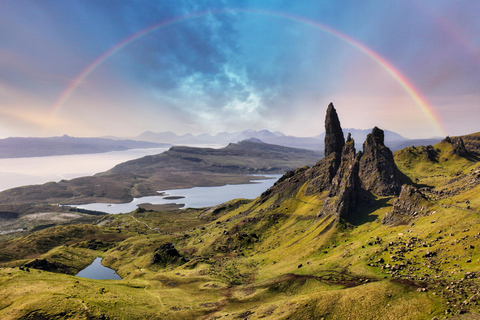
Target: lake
[(16, 172), (197, 197), (98, 271)]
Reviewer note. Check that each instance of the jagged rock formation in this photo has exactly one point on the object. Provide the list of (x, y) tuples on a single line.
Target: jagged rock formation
[(346, 175), (343, 193), (334, 139), (430, 153), (410, 204), (472, 143), (374, 170), (378, 171)]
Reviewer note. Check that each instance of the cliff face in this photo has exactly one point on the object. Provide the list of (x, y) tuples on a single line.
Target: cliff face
[(378, 172), (343, 192)]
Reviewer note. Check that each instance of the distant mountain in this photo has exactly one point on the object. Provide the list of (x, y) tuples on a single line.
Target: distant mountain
[(65, 145), (393, 140), (221, 138)]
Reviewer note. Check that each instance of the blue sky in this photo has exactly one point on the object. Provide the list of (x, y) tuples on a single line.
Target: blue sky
[(215, 66)]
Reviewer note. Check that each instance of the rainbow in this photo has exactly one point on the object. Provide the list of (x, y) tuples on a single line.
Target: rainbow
[(400, 78)]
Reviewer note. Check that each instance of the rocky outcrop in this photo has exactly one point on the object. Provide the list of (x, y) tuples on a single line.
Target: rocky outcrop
[(166, 254), (430, 153), (344, 178), (374, 170), (44, 264), (345, 186), (410, 204), (472, 143), (458, 146), (378, 171), (334, 139)]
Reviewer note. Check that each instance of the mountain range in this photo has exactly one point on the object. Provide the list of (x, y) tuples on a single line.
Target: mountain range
[(19, 147), (393, 140)]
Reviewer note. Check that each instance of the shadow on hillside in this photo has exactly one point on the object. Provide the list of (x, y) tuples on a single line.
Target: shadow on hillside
[(409, 181), (472, 157), (365, 209)]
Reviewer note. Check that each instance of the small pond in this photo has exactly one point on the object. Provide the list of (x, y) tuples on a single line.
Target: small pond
[(98, 271)]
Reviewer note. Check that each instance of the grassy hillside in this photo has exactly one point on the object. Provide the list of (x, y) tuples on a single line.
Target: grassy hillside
[(271, 258)]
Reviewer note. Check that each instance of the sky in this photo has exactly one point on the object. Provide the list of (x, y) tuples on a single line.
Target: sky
[(95, 68)]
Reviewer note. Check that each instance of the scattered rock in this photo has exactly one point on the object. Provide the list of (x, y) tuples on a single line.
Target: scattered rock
[(410, 204)]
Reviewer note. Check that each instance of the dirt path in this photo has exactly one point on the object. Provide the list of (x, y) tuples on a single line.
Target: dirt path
[(144, 223)]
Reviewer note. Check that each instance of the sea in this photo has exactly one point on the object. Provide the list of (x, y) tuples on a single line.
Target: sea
[(16, 172)]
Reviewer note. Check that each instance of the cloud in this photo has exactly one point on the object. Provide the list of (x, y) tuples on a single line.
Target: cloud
[(221, 69)]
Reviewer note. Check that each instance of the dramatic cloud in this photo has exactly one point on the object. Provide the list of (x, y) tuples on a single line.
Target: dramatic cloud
[(97, 68)]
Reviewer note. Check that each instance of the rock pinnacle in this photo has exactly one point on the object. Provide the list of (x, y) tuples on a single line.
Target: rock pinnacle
[(334, 139)]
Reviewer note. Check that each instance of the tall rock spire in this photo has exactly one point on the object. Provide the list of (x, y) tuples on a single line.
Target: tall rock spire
[(334, 139)]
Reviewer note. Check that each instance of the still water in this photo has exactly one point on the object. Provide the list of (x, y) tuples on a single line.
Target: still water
[(18, 172), (197, 197), (98, 271)]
